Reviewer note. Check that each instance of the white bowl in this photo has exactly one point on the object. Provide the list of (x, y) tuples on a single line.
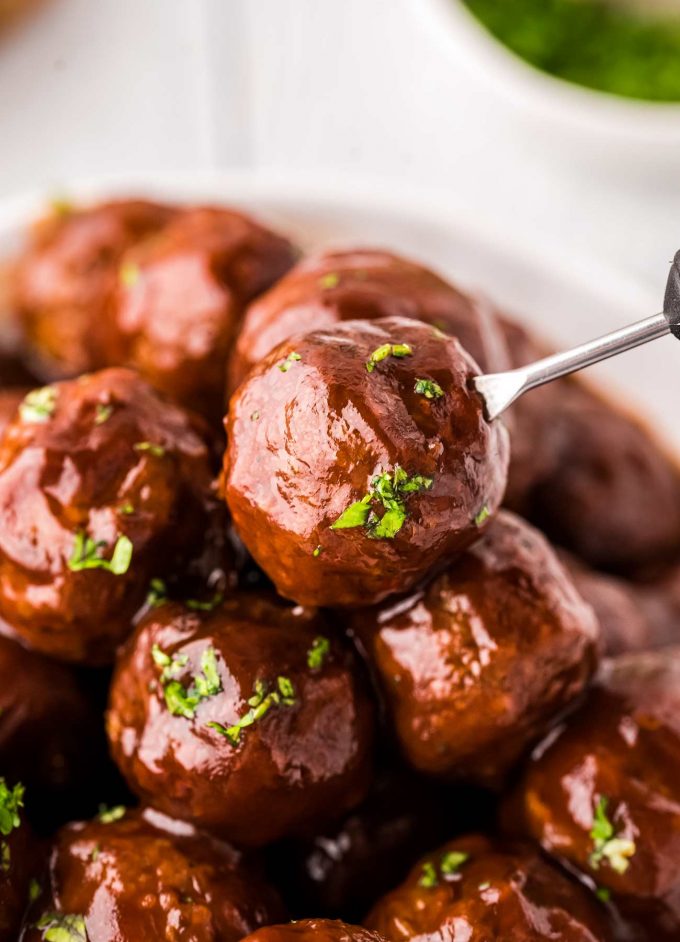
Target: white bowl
[(629, 134), (568, 300)]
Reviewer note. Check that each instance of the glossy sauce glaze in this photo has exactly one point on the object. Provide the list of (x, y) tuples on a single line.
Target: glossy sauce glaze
[(319, 426), (281, 741)]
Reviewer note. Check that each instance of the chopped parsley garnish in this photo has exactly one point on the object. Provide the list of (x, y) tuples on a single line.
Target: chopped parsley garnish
[(129, 274), (318, 652), (39, 405), (617, 851), (153, 449), (182, 701), (331, 280), (428, 877), (286, 364), (63, 927), (207, 605), (109, 815), (86, 555), (260, 703), (484, 886), (5, 856), (388, 350), (126, 508), (103, 413), (157, 594), (11, 802), (318, 550), (449, 865), (34, 890), (603, 894), (428, 388), (389, 490), (482, 515)]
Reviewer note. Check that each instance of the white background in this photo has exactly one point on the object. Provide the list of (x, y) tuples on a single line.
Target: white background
[(330, 86)]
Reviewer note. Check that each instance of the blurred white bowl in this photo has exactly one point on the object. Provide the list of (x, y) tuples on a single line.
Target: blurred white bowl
[(567, 300), (630, 135)]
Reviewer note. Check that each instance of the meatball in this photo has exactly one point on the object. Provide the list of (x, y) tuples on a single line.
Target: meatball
[(315, 930), (358, 458), (47, 725), (364, 284), (62, 284), (614, 498), (477, 664), (181, 298), (475, 890), (340, 871), (604, 794), (19, 859), (249, 720), (102, 487), (143, 876)]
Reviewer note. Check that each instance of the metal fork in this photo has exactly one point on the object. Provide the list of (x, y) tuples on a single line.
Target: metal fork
[(499, 390)]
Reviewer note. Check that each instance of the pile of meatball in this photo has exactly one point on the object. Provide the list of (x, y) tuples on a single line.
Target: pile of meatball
[(295, 644)]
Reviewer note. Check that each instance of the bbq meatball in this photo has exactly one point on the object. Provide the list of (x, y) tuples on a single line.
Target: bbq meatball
[(614, 498), (47, 725), (364, 285), (102, 486), (315, 930), (143, 876), (340, 871), (359, 458), (62, 284), (604, 794), (475, 890), (19, 859), (249, 720), (475, 665), (181, 297)]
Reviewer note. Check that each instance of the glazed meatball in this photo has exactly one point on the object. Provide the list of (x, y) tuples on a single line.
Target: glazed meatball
[(62, 284), (474, 890), (19, 859), (47, 724), (181, 297), (143, 876), (340, 871), (250, 720), (614, 499), (102, 486), (604, 794), (315, 930), (359, 458), (475, 665), (364, 285)]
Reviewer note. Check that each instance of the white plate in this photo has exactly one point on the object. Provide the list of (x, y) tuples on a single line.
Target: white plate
[(567, 300)]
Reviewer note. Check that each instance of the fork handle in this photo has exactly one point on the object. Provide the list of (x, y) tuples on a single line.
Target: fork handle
[(671, 303)]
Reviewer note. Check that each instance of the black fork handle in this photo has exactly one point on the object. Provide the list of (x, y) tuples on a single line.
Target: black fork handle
[(671, 303)]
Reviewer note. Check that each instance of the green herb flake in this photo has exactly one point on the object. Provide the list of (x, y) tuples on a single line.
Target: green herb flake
[(86, 555), (388, 350), (428, 877), (482, 516), (260, 703), (103, 413), (484, 886), (39, 405), (286, 364), (331, 280), (603, 894), (153, 449), (607, 846), (34, 890), (129, 274), (5, 856), (428, 388), (318, 551), (95, 852), (63, 927), (109, 815), (61, 206), (126, 509), (389, 491), (207, 605), (180, 700), (452, 861), (157, 594), (11, 803), (318, 653)]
